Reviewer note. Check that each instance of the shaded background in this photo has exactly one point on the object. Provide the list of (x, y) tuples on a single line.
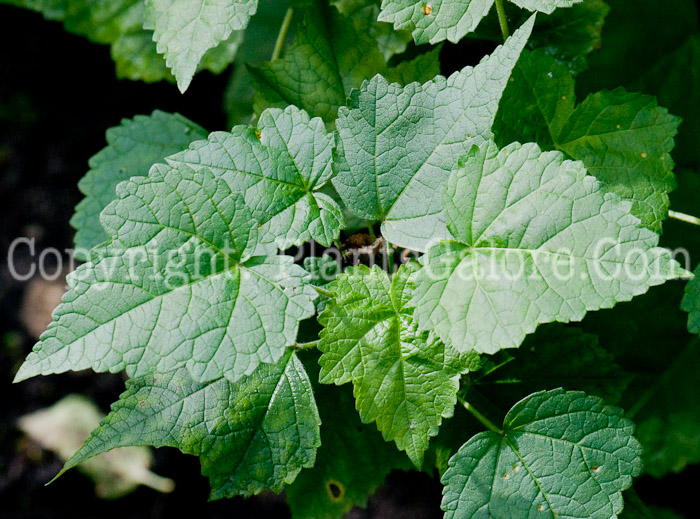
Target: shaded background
[(58, 95)]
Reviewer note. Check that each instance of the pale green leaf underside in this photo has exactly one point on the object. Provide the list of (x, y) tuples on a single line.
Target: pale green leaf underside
[(175, 287), (624, 139), (536, 241), (252, 435), (185, 30), (132, 148), (405, 381), (397, 145), (351, 463), (562, 454), (438, 20), (280, 172)]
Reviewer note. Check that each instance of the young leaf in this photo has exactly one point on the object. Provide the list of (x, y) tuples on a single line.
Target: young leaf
[(328, 58), (557, 356), (176, 286), (405, 381), (624, 139), (186, 30), (450, 19), (132, 148), (396, 145), (352, 462), (281, 169), (255, 434), (561, 454), (536, 241)]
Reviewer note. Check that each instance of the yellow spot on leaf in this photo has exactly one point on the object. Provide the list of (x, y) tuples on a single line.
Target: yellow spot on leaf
[(427, 10), (335, 489), (644, 155)]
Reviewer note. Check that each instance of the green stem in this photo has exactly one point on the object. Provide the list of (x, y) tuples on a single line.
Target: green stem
[(282, 36), (324, 292), (370, 230), (306, 345), (475, 412), (338, 245), (694, 220), (502, 19), (389, 256)]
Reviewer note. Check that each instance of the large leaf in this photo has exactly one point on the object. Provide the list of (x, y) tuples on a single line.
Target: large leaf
[(560, 454), (405, 381), (624, 139), (255, 434), (328, 58), (450, 19), (352, 462), (535, 240), (185, 30), (281, 168), (397, 145), (175, 286), (132, 148)]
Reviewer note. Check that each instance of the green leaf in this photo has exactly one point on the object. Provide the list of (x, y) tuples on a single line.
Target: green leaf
[(132, 148), (352, 462), (397, 145), (624, 139), (184, 30), (556, 356), (175, 286), (281, 169), (691, 302), (405, 381), (364, 15), (252, 435), (536, 241), (328, 58), (666, 410), (561, 454), (450, 19)]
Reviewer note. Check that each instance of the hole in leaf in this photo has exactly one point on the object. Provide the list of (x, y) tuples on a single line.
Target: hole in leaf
[(335, 490)]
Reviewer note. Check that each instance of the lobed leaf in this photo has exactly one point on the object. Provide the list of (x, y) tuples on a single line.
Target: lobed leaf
[(281, 169), (405, 381), (561, 454), (535, 240), (175, 286), (397, 145)]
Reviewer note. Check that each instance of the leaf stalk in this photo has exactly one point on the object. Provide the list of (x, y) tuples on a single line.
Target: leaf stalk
[(502, 20), (485, 421), (282, 36), (694, 220)]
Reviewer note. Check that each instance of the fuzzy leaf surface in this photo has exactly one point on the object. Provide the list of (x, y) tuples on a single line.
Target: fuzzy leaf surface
[(535, 240), (405, 381), (176, 286), (562, 454), (450, 19), (255, 434), (185, 30), (132, 148), (280, 171), (397, 145)]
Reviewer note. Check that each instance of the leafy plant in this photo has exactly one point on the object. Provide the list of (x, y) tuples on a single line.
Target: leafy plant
[(469, 224)]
